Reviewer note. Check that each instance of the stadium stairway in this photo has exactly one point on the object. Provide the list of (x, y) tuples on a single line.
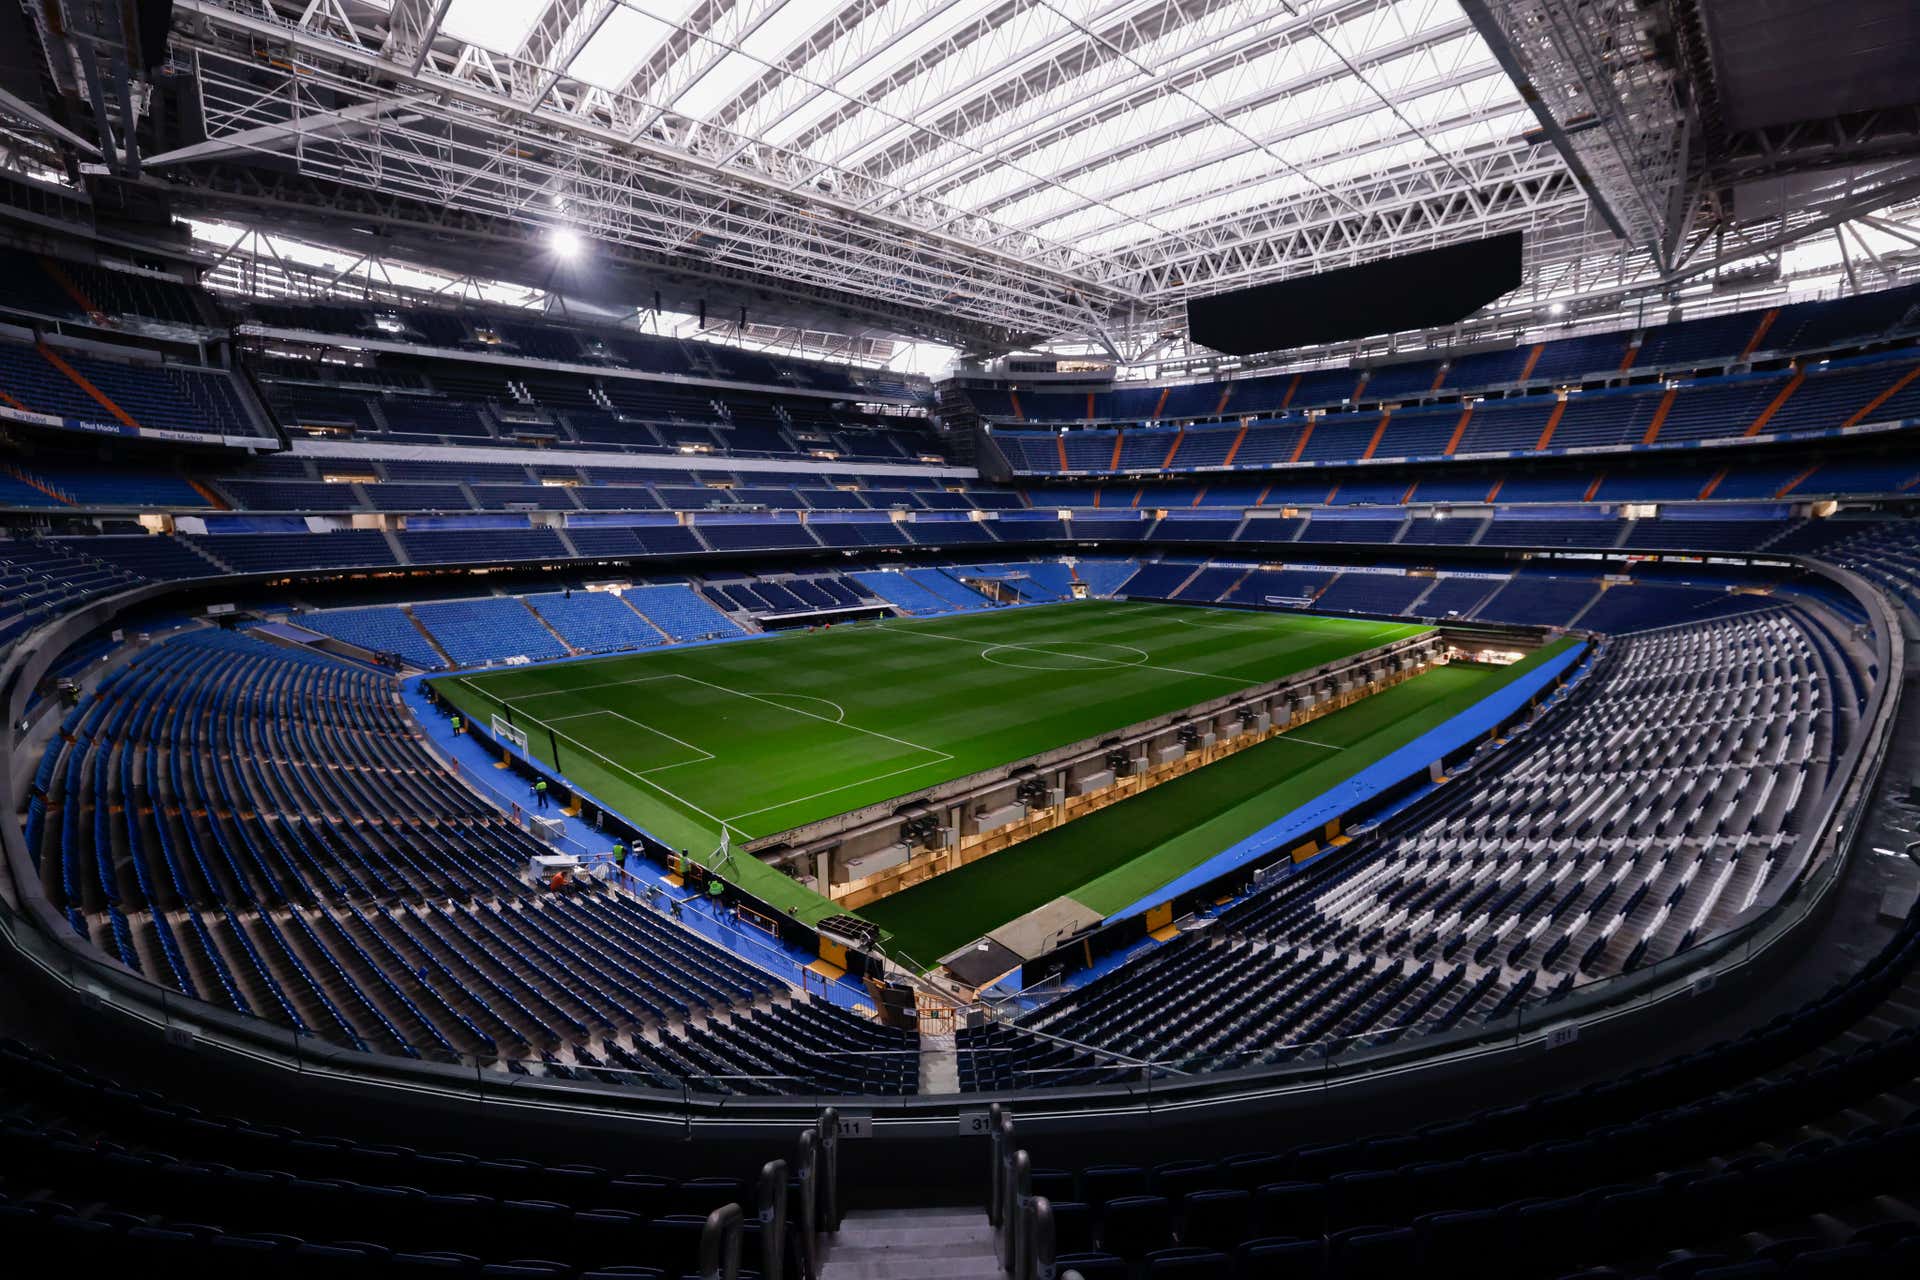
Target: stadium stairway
[(913, 1244)]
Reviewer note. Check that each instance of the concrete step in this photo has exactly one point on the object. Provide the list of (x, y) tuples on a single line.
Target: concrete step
[(905, 1244)]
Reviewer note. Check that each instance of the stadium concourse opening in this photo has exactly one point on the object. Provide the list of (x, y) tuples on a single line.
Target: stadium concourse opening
[(1029, 771)]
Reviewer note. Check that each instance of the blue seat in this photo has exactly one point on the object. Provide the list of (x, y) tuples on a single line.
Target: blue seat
[(1282, 1259), (1373, 1253), (1092, 1266), (1190, 1264), (1291, 1209), (1217, 1219), (1072, 1227), (1134, 1226), (1180, 1177), (1103, 1182)]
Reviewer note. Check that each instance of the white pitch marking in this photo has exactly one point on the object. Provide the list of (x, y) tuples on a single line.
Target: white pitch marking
[(648, 782), (807, 697), (1309, 741), (580, 688), (847, 786), (582, 715), (1237, 682), (902, 742)]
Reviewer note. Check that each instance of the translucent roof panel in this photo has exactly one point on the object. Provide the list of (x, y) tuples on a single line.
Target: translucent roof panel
[(630, 37), (499, 25), (1018, 163), (767, 43)]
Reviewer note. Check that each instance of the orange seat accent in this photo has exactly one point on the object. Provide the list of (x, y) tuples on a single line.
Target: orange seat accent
[(1766, 414), (1760, 332), (1292, 387), (1119, 438), (1594, 488), (1533, 358), (1235, 446), (1660, 416), (1707, 490), (1300, 445), (1019, 413), (1378, 431), (1797, 481), (1459, 430), (214, 500), (1495, 491), (1553, 422), (1060, 442), (1178, 436), (79, 380), (71, 288), (1161, 403), (1898, 386)]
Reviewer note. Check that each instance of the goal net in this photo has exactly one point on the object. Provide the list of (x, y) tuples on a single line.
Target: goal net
[(507, 733)]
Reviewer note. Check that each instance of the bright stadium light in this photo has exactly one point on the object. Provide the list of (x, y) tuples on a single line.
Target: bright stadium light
[(1556, 309), (565, 242)]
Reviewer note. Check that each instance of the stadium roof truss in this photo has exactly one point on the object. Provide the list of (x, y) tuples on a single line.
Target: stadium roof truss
[(1007, 171)]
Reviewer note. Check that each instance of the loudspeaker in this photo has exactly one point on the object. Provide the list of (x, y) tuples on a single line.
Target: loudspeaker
[(1413, 291)]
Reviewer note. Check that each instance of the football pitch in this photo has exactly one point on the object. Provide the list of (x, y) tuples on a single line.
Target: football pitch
[(758, 737)]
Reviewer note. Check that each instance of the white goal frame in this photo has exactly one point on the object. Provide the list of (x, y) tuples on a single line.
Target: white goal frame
[(507, 733)]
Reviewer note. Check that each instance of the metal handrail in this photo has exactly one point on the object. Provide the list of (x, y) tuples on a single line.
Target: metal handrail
[(807, 1162), (772, 1206), (1018, 1188), (1039, 1241), (720, 1244), (827, 1184)]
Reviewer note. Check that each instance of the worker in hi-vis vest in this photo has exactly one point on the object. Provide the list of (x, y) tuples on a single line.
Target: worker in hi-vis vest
[(540, 793)]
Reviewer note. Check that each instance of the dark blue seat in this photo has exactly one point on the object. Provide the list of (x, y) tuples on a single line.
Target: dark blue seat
[(1457, 1243), (1253, 1170), (1056, 1185), (1190, 1264), (1092, 1266), (1290, 1209), (1072, 1227), (1133, 1226), (1373, 1253), (1177, 1179), (1103, 1182), (1282, 1259), (1217, 1219)]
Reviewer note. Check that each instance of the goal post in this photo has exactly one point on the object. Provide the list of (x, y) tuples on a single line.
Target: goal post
[(504, 730)]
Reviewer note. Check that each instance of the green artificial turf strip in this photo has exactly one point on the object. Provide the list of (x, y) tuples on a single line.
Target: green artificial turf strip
[(768, 734), (1111, 859)]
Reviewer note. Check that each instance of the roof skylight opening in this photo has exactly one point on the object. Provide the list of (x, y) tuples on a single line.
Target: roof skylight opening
[(499, 25), (628, 40), (876, 67), (768, 43)]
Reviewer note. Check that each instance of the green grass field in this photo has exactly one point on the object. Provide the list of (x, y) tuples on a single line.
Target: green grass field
[(766, 735), (1113, 858)]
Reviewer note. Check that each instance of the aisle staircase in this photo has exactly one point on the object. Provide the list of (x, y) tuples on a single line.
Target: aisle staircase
[(913, 1244)]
